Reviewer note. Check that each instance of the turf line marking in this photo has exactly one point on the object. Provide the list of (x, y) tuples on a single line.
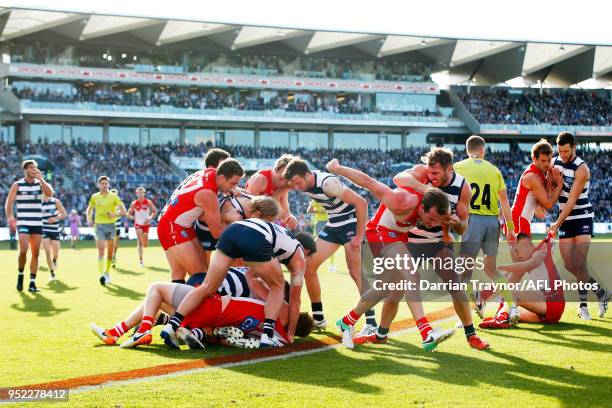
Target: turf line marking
[(99, 381)]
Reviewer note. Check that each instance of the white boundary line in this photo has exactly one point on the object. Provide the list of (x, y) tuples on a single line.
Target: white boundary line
[(181, 373)]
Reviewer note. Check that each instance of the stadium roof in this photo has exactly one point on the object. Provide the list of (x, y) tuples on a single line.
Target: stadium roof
[(484, 62)]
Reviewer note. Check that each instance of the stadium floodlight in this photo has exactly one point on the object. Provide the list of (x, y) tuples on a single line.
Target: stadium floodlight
[(123, 55), (105, 55)]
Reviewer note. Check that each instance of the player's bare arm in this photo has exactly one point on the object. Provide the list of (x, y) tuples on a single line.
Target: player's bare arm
[(207, 200), (521, 268), (506, 212), (8, 207), (61, 213), (459, 222), (46, 188), (334, 188), (282, 195), (538, 189), (88, 215), (415, 178), (131, 210), (257, 184), (583, 174), (297, 268), (153, 211)]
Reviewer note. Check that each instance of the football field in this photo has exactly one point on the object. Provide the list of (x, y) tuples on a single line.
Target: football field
[(47, 342)]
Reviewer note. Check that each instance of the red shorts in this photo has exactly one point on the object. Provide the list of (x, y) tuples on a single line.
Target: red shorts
[(380, 237), (143, 227), (554, 309), (171, 234)]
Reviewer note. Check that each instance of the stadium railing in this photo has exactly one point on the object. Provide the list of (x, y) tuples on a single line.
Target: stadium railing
[(85, 108)]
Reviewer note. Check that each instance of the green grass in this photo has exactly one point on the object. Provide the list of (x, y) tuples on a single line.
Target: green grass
[(47, 338)]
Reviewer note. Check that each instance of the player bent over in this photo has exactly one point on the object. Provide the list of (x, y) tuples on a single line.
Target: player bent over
[(196, 196), (533, 263), (387, 234), (253, 240)]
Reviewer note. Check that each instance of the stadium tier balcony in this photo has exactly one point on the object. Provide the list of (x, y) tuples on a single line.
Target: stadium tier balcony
[(225, 104)]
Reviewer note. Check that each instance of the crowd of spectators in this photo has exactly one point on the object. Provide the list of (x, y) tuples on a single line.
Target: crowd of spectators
[(189, 98), (555, 107), (77, 166), (232, 63)]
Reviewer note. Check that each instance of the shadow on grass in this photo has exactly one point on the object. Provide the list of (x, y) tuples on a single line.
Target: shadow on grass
[(58, 286), (157, 269), (38, 304), (121, 291), (128, 272), (561, 335), (467, 369)]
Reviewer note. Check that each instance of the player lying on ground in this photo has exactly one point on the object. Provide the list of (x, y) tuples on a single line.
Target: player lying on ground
[(387, 234), (247, 314), (534, 264), (253, 240)]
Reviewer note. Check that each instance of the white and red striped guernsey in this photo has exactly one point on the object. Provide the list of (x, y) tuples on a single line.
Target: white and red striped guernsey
[(385, 227), (524, 201), (181, 209)]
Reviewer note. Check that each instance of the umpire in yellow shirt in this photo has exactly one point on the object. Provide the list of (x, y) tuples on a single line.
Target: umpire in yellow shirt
[(488, 187), (105, 205)]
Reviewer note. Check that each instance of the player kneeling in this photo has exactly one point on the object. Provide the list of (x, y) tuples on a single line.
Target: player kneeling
[(534, 263)]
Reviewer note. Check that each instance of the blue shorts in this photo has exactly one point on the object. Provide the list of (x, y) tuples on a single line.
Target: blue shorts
[(28, 229), (574, 228), (206, 239), (338, 235), (196, 279), (239, 241), (52, 235)]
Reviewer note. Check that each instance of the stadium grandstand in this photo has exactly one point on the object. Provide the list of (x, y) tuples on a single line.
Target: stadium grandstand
[(149, 96)]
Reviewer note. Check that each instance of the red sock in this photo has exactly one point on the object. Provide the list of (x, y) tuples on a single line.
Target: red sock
[(351, 318), (119, 329), (424, 327), (146, 324)]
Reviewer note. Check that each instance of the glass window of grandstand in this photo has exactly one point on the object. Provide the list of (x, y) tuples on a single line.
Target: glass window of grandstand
[(161, 136), (44, 92), (274, 138), (87, 134), (232, 137), (199, 136), (43, 133), (312, 140), (359, 141), (7, 134), (124, 135)]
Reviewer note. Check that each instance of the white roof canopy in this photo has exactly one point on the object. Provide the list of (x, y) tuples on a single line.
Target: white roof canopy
[(474, 59)]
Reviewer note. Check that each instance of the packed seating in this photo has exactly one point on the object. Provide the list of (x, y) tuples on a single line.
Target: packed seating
[(77, 165), (555, 107)]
